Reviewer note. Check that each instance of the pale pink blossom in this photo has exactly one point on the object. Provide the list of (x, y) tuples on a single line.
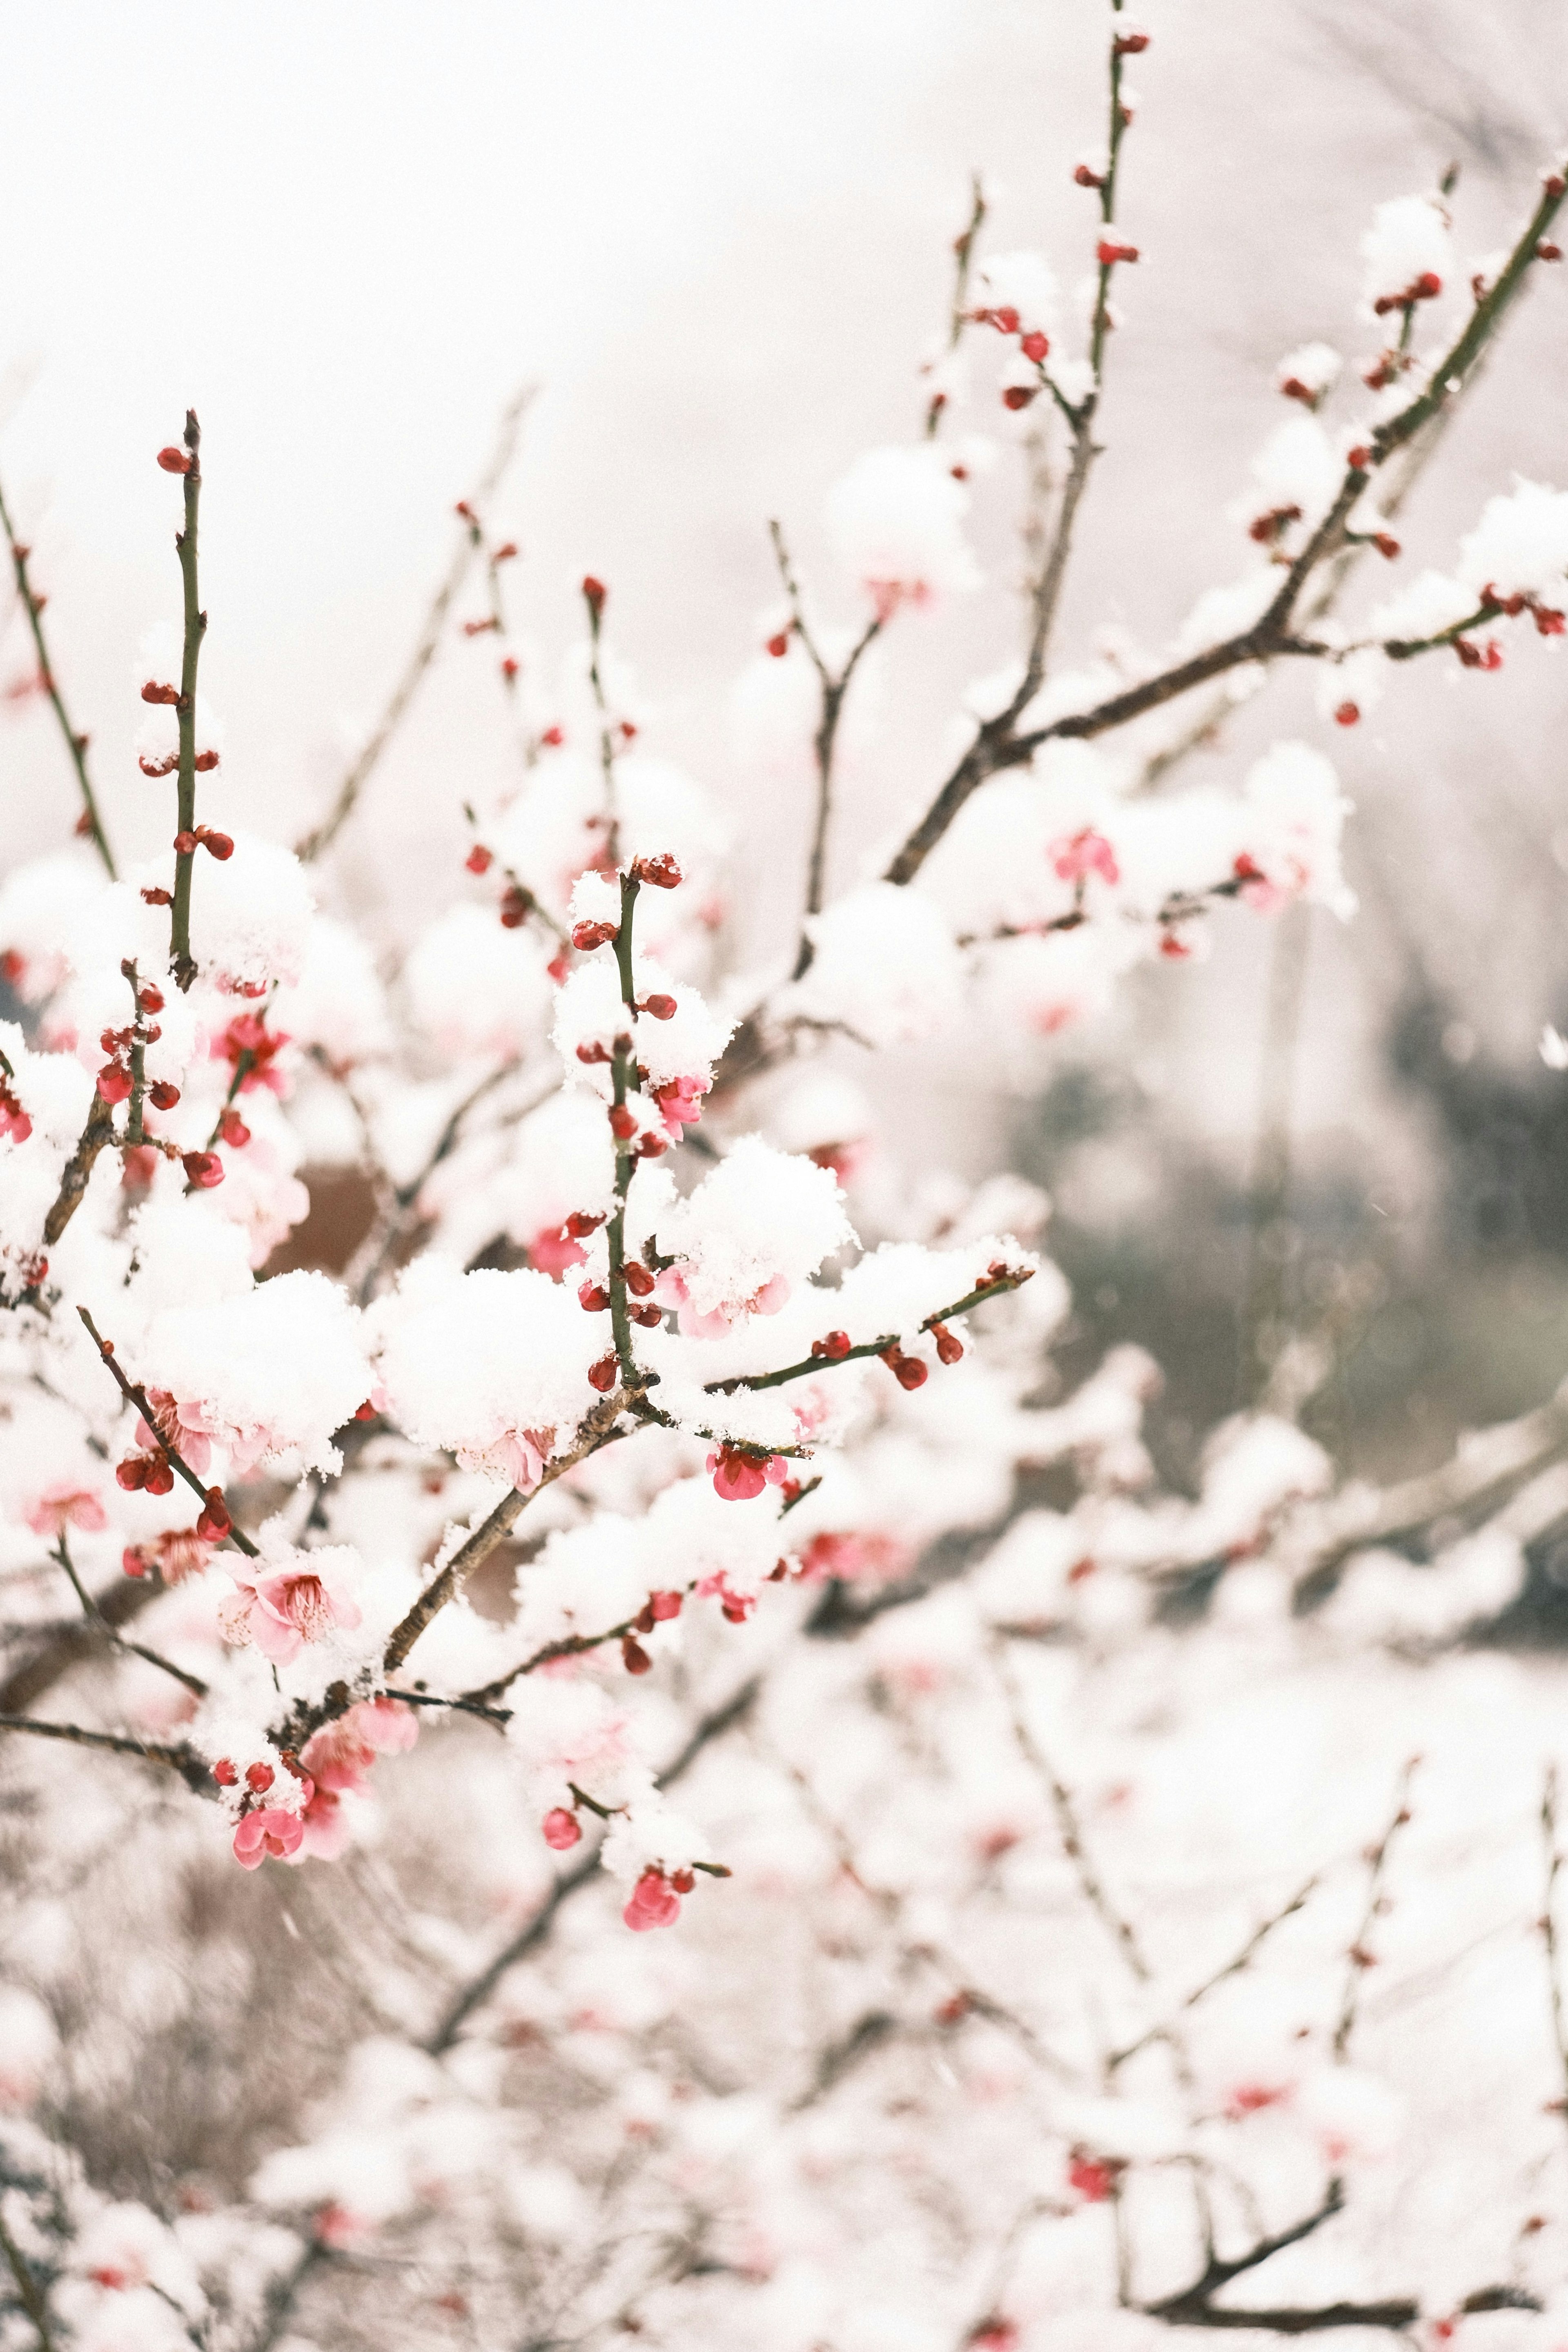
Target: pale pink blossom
[(280, 1608), (64, 1504), (268, 1831)]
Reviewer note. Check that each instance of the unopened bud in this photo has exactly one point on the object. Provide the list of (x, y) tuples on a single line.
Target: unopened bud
[(174, 461)]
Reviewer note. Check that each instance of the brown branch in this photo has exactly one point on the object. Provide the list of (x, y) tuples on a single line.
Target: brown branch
[(65, 1646), (362, 766), (1549, 1929), (1361, 1956), (1233, 1967), (722, 1718), (111, 1634), (137, 1395), (963, 253), (180, 962), (96, 1135), (751, 1380), (597, 1429), (183, 1760), (76, 745)]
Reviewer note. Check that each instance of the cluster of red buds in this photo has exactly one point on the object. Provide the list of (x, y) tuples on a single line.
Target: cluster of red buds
[(1549, 621), (203, 837), (250, 1048), (1424, 288), (148, 1473), (662, 871), (909, 1372), (1473, 656)]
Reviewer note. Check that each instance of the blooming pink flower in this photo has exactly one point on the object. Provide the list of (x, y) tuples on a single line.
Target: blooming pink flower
[(672, 1291), (738, 1475), (271, 1831), (654, 1902), (282, 1608), (324, 1826), (65, 1504), (680, 1104), (182, 1426), (522, 1453), (554, 1252), (1075, 859)]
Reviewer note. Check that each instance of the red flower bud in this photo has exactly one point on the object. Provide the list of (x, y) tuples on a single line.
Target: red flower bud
[(1347, 713), (1359, 459), (594, 594), (1546, 251), (1110, 251), (184, 845), (622, 1123), (479, 859), (216, 844), (1034, 346), (204, 1169), (214, 1521), (1131, 45), (258, 1778), (553, 736), (683, 1881), (233, 1129), (601, 1375), (648, 1317), (639, 1281), (203, 763), (665, 1605), (174, 461), (131, 1472), (779, 646), (158, 767), (158, 897), (113, 1083), (1018, 395), (1087, 177), (592, 1053), (159, 1478), (1386, 546), (149, 999), (663, 1008), (579, 1225), (505, 552), (509, 667), (661, 871), (593, 1299), (223, 1773), (949, 1347), (153, 692), (633, 1657), (588, 936), (560, 1829), (164, 1095)]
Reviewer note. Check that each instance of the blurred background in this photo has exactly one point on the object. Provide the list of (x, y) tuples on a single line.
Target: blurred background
[(717, 239)]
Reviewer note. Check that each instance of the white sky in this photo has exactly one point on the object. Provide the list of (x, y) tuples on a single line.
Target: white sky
[(715, 231)]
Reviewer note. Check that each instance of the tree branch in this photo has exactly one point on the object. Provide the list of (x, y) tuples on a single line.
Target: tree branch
[(76, 745)]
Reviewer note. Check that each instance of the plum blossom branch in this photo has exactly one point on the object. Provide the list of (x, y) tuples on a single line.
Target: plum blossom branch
[(95, 1136), (998, 745), (995, 1285), (90, 823), (180, 962), (136, 1394), (958, 319), (834, 686), (1361, 1956), (425, 646), (112, 1635), (179, 1759)]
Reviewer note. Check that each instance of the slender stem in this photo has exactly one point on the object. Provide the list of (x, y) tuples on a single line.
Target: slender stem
[(76, 745), (362, 768), (101, 1623), (1361, 1957), (1549, 1928), (749, 1380), (179, 1759), (96, 1135), (623, 1079), (180, 962), (136, 1395), (1233, 1967), (596, 604), (963, 255)]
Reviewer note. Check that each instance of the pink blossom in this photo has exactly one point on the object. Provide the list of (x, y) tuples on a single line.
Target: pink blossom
[(325, 1827), (390, 1727), (183, 1427), (654, 1902), (554, 1252), (1076, 857), (65, 1504), (560, 1829), (738, 1475), (521, 1455), (672, 1290), (271, 1831), (680, 1104), (282, 1608)]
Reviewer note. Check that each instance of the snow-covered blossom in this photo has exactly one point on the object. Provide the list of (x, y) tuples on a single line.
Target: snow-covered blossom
[(885, 966), (897, 521), (1407, 253), (1520, 547)]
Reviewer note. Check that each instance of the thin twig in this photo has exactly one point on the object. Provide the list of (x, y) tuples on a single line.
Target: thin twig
[(179, 1759), (362, 767), (76, 743), (180, 962), (1549, 1929), (111, 1633), (1361, 1953), (1233, 1967), (137, 1395)]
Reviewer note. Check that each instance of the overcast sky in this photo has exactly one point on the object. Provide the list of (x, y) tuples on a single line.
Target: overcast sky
[(715, 233)]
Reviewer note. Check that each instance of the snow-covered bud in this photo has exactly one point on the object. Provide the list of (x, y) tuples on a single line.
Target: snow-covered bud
[(662, 871)]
